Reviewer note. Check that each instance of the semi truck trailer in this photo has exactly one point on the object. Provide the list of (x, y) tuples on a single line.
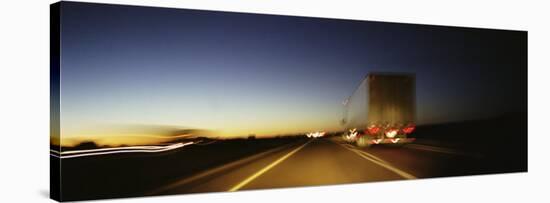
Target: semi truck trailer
[(382, 110)]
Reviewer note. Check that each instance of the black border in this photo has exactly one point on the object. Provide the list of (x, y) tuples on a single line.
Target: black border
[(55, 66)]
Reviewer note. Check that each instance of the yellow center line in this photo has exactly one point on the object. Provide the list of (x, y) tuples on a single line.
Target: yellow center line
[(265, 169), (380, 162)]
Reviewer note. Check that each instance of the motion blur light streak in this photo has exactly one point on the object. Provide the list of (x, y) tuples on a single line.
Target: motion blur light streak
[(145, 149), (391, 133), (408, 130), (373, 129), (176, 101), (315, 134), (353, 134), (395, 140), (111, 149), (170, 137)]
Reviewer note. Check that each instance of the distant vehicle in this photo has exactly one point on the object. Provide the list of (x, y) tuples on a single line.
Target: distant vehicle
[(315, 134), (382, 110)]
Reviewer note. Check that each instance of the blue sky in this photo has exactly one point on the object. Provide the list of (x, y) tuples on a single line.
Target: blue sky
[(263, 74)]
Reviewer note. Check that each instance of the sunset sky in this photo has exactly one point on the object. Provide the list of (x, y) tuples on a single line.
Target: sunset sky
[(239, 74)]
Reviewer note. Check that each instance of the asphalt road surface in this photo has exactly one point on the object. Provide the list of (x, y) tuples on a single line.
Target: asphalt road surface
[(331, 161), (453, 149)]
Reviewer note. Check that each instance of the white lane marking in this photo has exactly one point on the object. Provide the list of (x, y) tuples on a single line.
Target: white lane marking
[(95, 152), (369, 155), (380, 162), (351, 147), (435, 149), (348, 145), (265, 169), (215, 170)]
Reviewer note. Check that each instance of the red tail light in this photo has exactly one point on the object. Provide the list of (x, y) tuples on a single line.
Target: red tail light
[(373, 129), (408, 129)]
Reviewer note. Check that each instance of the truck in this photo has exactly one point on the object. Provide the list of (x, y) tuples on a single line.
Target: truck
[(382, 110)]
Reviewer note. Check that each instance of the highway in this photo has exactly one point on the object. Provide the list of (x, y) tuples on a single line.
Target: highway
[(210, 165), (322, 161)]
